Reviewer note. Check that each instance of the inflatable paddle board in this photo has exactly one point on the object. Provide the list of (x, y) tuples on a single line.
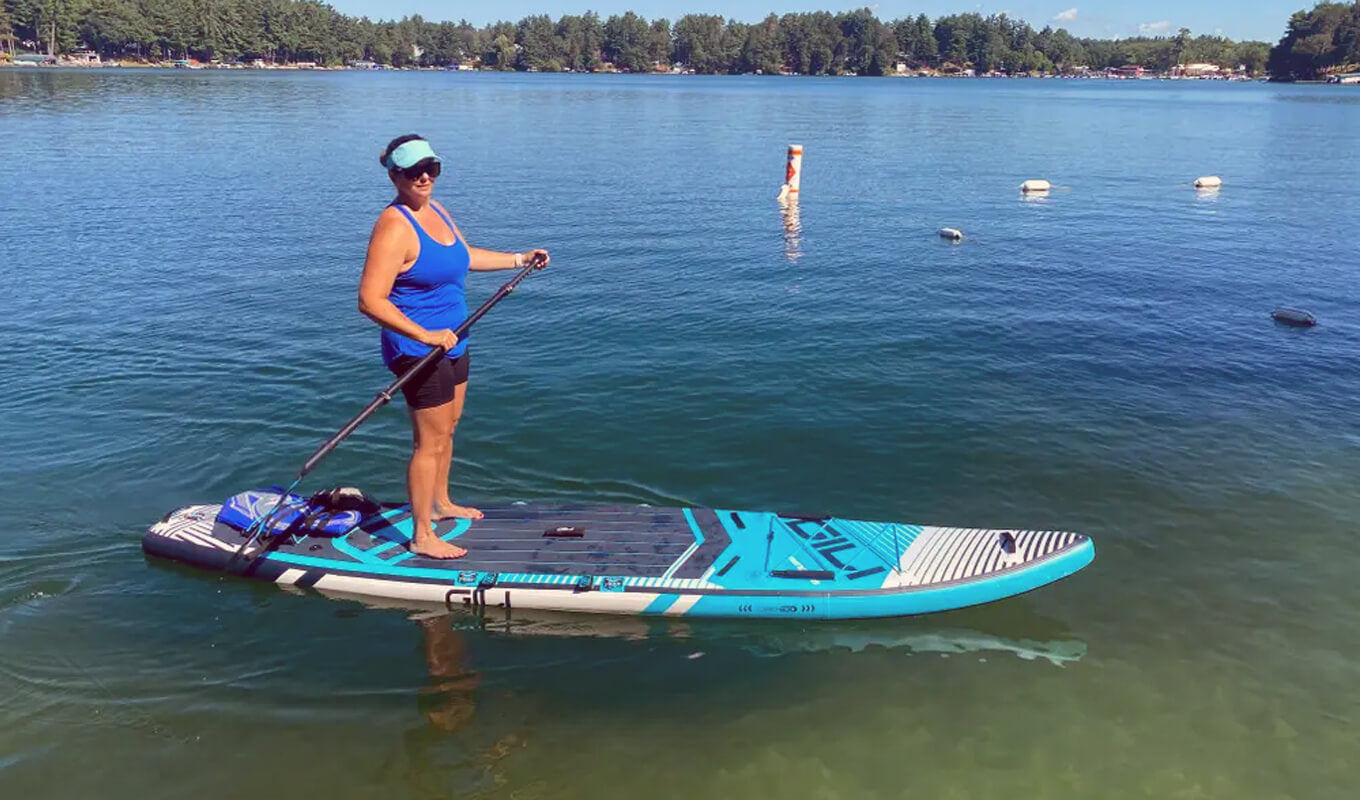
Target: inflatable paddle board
[(693, 562)]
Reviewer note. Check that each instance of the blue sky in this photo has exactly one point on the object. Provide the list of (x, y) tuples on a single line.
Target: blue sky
[(1255, 19)]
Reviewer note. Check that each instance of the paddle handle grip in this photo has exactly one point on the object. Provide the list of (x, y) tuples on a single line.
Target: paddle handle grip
[(385, 396)]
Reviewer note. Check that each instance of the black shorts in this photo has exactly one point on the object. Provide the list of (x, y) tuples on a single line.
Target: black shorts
[(434, 385)]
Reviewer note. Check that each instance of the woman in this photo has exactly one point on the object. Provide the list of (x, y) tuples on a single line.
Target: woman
[(412, 285)]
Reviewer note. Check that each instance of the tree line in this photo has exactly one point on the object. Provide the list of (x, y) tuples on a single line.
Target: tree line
[(1318, 42), (817, 43)]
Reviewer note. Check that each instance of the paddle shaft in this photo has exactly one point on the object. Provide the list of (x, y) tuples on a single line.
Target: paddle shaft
[(388, 393)]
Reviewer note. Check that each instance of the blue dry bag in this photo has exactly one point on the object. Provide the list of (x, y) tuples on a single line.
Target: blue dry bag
[(315, 516)]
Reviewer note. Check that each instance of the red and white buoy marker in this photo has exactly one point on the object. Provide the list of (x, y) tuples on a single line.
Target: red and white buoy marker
[(793, 173)]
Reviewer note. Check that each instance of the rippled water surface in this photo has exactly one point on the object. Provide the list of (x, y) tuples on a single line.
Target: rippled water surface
[(178, 323)]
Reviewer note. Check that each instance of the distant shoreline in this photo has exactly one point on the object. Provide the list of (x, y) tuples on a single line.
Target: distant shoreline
[(927, 74), (305, 34)]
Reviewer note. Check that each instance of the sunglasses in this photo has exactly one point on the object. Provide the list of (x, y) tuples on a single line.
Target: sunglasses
[(427, 167)]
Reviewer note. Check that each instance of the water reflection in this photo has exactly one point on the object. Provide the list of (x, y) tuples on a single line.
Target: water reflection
[(456, 750), (1331, 96), (449, 698), (793, 229), (775, 639), (1012, 628)]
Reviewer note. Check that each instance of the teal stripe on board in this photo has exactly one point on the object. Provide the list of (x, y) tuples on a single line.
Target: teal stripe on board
[(661, 603)]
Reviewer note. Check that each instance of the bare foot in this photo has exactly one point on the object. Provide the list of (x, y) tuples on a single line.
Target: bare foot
[(451, 511), (432, 546)]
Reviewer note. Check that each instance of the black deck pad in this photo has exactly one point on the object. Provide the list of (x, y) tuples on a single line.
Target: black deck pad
[(633, 542)]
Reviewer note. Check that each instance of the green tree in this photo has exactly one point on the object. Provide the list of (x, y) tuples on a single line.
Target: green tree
[(1032, 60), (794, 41), (987, 48), (1317, 42), (502, 53), (570, 31), (1346, 39), (1176, 55), (659, 45), (1064, 50), (582, 38), (761, 52), (958, 36), (52, 24), (592, 39), (868, 47), (730, 44), (916, 40), (699, 42), (821, 49), (927, 48), (7, 36), (1252, 56), (539, 47), (627, 43), (114, 28)]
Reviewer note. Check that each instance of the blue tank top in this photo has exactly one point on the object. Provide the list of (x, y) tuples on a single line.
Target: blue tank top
[(430, 293)]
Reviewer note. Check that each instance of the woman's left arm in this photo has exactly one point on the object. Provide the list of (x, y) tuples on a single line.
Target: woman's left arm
[(488, 260)]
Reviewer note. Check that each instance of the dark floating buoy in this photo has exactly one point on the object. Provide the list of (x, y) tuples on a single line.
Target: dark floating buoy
[(1294, 316)]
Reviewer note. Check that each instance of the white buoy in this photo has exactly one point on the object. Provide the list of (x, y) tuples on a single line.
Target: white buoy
[(793, 173), (1208, 182), (1035, 186), (952, 234)]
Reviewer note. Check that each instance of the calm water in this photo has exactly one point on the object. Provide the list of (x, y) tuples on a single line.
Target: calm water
[(178, 323)]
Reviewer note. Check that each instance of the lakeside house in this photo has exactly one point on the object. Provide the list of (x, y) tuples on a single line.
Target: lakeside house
[(1199, 70)]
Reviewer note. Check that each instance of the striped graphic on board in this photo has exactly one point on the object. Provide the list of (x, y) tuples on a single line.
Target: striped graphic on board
[(940, 555)]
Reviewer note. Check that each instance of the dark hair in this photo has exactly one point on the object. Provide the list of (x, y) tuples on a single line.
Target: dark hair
[(398, 142)]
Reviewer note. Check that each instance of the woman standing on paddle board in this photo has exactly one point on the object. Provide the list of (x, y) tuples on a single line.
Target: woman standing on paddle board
[(413, 286)]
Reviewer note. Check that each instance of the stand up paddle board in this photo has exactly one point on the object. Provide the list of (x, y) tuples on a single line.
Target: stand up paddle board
[(692, 562)]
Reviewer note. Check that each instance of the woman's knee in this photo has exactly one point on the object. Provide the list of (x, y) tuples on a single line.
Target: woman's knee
[(426, 448), (432, 441)]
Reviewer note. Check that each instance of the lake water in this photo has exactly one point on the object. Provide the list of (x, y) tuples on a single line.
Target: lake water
[(178, 323)]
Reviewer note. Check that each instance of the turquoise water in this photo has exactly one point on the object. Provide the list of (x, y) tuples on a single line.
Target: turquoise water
[(179, 323)]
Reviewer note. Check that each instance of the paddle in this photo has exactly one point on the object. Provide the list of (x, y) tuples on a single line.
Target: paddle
[(385, 396)]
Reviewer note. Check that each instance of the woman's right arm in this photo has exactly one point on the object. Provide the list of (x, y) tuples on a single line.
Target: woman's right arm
[(386, 253)]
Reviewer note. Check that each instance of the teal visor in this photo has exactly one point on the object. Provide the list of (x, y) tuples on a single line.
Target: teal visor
[(408, 154)]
